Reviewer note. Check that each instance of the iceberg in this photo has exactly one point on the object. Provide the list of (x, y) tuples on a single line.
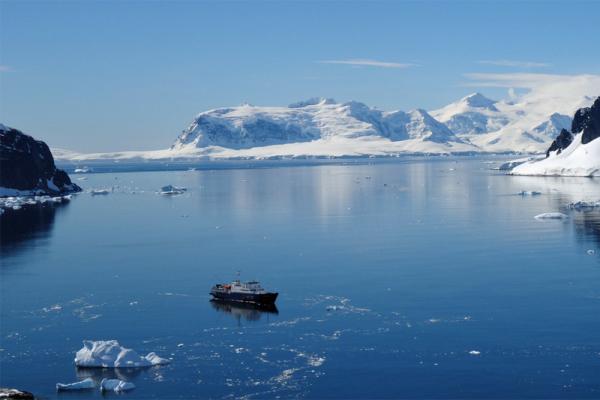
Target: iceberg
[(551, 215), (115, 385), (529, 193), (110, 354), (99, 191), (583, 205), (87, 383), (171, 190)]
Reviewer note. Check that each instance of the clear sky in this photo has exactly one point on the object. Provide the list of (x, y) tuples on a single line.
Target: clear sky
[(102, 76)]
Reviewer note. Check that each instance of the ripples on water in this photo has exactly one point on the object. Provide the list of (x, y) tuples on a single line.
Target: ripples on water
[(405, 279)]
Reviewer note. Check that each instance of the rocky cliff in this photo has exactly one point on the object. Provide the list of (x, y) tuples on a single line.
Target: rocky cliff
[(27, 167)]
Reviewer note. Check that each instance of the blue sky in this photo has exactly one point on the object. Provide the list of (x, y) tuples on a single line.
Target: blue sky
[(103, 76)]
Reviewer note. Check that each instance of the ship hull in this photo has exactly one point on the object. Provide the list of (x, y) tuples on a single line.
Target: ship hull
[(263, 298)]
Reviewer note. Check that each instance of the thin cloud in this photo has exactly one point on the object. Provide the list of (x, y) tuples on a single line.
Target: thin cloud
[(5, 68), (558, 93), (362, 62), (529, 80), (514, 63)]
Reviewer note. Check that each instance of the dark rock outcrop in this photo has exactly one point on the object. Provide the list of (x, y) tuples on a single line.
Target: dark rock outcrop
[(27, 165), (562, 141), (587, 121)]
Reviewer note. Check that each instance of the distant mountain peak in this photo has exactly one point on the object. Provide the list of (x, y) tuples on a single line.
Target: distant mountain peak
[(477, 100)]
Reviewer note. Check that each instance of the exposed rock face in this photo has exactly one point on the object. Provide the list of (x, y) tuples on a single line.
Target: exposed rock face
[(27, 165), (562, 141), (588, 121)]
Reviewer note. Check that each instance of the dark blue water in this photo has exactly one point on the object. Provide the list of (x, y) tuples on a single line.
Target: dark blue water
[(389, 274)]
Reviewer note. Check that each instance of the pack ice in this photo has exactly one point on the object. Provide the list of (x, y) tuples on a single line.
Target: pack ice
[(110, 354)]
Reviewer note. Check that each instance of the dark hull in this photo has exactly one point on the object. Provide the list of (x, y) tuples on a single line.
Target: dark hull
[(266, 298)]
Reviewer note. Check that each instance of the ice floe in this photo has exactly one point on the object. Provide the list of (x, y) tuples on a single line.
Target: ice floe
[(95, 192), (551, 215), (87, 383), (582, 205), (18, 202), (172, 190), (115, 385), (474, 352), (110, 354), (529, 193)]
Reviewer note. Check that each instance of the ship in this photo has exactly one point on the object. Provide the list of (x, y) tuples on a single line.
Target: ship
[(244, 292)]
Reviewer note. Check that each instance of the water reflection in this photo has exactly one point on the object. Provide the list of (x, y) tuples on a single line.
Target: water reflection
[(31, 223), (247, 311), (97, 374), (587, 225)]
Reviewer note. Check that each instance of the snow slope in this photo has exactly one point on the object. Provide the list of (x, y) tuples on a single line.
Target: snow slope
[(576, 160)]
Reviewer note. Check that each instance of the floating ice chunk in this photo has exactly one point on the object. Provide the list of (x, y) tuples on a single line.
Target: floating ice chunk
[(582, 205), (591, 252), (99, 191), (115, 385), (529, 193), (87, 383), (154, 359), (551, 215), (110, 354), (474, 352), (171, 190)]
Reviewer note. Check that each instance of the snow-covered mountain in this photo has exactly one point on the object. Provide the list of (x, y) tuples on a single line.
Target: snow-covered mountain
[(472, 115), (321, 127), (248, 126), (526, 124), (576, 154)]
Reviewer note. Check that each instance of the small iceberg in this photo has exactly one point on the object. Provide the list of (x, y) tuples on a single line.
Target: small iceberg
[(551, 215), (85, 384), (95, 192), (115, 385), (474, 352), (172, 190), (82, 170), (583, 205), (110, 354), (529, 193)]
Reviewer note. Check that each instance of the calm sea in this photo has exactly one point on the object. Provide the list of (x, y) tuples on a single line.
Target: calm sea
[(403, 279)]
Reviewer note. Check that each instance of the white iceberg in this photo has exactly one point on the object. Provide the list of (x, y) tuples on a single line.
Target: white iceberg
[(110, 354), (99, 191), (87, 383), (551, 215), (171, 190), (529, 193), (115, 385), (583, 205)]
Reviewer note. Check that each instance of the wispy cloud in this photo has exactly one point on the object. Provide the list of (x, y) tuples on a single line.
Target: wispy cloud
[(5, 68), (559, 93), (514, 63), (529, 80), (363, 62)]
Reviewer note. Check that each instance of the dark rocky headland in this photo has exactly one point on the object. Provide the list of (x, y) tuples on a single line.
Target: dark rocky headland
[(27, 167)]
